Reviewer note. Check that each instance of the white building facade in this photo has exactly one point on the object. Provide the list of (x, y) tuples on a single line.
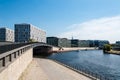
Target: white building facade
[(6, 34), (27, 32)]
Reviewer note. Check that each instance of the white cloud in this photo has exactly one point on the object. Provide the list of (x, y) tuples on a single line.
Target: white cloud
[(107, 28)]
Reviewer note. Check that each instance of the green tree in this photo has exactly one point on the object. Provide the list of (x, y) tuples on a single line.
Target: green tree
[(31, 40), (107, 47)]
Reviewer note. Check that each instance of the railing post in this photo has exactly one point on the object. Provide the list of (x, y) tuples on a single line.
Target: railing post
[(10, 57), (4, 64), (14, 54), (18, 52), (22, 51)]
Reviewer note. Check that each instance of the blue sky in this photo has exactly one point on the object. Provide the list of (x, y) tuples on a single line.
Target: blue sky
[(58, 16)]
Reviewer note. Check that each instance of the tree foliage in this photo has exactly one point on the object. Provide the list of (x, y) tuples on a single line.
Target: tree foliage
[(31, 40), (107, 47)]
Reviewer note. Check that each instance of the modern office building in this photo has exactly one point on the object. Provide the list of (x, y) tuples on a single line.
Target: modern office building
[(80, 43), (91, 43), (116, 46), (61, 42), (117, 43), (74, 43), (64, 42), (102, 43), (84, 43), (88, 43), (6, 35), (52, 41), (28, 32), (96, 43)]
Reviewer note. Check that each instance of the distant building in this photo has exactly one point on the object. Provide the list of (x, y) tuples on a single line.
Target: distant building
[(68, 43), (64, 42), (103, 42), (27, 32), (52, 41), (117, 43), (74, 43), (61, 42), (116, 46), (91, 43), (88, 43), (6, 35), (96, 43), (100, 43), (84, 43)]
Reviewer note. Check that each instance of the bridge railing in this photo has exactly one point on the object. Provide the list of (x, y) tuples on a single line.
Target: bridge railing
[(6, 48), (8, 57), (9, 53)]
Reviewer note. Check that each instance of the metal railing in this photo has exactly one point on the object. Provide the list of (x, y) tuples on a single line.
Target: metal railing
[(83, 71)]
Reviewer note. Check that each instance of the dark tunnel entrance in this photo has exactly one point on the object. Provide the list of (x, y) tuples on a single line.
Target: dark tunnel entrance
[(42, 51)]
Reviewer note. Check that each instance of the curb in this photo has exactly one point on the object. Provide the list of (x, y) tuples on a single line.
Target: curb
[(80, 72)]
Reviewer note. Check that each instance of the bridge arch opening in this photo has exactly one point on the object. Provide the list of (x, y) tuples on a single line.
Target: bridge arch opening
[(42, 51)]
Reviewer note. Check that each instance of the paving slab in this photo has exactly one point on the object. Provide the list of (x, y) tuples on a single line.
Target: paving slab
[(45, 69)]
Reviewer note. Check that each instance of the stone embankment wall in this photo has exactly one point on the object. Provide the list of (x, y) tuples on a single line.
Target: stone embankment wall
[(14, 70), (74, 48)]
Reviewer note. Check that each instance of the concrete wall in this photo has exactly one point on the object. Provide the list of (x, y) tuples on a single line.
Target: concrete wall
[(14, 70)]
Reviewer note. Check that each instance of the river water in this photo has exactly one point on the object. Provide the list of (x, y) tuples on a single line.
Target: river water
[(95, 61)]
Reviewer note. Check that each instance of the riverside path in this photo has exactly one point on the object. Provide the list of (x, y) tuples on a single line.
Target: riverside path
[(45, 69)]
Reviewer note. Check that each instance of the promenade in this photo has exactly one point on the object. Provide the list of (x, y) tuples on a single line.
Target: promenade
[(45, 69), (114, 52), (56, 49)]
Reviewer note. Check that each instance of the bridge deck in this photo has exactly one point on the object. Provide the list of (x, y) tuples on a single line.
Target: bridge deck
[(43, 69)]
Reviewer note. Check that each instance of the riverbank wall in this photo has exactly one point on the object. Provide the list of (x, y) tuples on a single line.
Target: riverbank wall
[(113, 52), (78, 71), (68, 49)]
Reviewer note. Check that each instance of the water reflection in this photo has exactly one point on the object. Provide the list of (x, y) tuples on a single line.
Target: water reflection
[(107, 65)]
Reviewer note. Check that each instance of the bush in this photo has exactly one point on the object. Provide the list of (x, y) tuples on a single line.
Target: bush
[(107, 47), (31, 40)]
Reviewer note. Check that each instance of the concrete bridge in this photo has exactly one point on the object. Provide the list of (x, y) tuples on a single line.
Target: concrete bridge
[(14, 58)]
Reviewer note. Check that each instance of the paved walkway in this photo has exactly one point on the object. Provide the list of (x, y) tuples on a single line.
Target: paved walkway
[(44, 69)]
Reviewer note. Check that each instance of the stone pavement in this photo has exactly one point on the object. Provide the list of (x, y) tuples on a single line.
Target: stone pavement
[(44, 69)]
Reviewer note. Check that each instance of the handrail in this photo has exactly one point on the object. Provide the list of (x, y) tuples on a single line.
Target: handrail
[(8, 57), (83, 71), (13, 51), (5, 48), (10, 52)]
